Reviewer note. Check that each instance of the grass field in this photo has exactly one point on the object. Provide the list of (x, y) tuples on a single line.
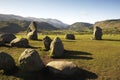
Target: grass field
[(101, 57)]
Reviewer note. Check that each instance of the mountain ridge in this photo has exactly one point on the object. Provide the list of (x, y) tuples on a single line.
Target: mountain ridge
[(56, 23), (9, 22)]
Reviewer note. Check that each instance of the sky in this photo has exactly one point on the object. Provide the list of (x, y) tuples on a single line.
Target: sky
[(68, 11)]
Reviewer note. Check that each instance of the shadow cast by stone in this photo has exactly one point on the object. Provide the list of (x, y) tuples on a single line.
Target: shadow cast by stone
[(37, 75), (33, 47), (75, 55), (111, 40), (81, 74), (70, 52), (69, 41), (38, 40), (45, 74)]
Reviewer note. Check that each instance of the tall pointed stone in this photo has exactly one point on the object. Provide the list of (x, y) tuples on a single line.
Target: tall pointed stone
[(97, 35), (32, 31), (57, 48)]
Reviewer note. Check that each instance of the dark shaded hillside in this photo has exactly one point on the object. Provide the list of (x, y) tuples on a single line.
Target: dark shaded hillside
[(15, 26), (109, 26), (45, 26), (80, 26)]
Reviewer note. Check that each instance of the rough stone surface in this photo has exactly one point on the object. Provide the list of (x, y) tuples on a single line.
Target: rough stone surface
[(7, 63), (7, 38), (70, 36), (97, 35), (30, 61), (62, 67), (32, 31), (47, 41), (56, 47), (19, 42)]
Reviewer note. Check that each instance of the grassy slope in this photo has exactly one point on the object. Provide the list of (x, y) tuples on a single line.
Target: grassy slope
[(99, 57)]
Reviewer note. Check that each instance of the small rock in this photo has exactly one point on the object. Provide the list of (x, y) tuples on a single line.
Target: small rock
[(47, 41), (70, 36)]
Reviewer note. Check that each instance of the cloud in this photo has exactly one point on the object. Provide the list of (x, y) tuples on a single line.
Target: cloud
[(83, 13)]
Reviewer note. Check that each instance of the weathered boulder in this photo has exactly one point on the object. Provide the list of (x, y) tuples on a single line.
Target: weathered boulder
[(7, 38), (32, 36), (57, 48), (70, 36), (62, 67), (30, 61), (32, 31), (47, 41), (7, 63), (19, 42), (97, 35)]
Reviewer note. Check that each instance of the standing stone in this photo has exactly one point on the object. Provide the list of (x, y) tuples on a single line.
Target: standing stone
[(32, 31), (97, 35), (47, 41), (30, 61), (7, 63), (62, 67), (70, 36), (7, 38), (56, 47), (19, 42)]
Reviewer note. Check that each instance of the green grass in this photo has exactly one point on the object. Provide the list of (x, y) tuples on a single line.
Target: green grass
[(101, 57)]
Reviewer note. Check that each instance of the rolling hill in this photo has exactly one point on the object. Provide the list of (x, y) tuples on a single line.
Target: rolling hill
[(81, 26), (109, 26)]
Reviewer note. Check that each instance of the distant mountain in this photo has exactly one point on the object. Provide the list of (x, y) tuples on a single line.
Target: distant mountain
[(15, 26), (56, 23), (5, 17), (81, 26)]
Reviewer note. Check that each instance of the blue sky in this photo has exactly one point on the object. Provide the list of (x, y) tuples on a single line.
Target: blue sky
[(68, 11)]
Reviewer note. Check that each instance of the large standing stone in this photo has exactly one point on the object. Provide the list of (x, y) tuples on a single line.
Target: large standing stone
[(19, 42), (56, 47), (7, 38), (30, 61), (32, 31), (62, 67), (70, 36), (47, 41), (7, 63), (97, 35)]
